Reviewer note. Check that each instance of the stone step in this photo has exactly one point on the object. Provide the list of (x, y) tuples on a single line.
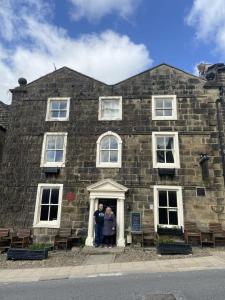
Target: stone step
[(99, 250)]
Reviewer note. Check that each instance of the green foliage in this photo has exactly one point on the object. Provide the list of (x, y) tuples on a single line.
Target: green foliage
[(39, 246), (166, 241)]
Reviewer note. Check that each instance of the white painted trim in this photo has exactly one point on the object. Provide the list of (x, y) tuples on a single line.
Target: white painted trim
[(180, 213), (176, 163), (107, 164), (174, 107), (53, 164), (107, 98), (47, 224), (48, 117)]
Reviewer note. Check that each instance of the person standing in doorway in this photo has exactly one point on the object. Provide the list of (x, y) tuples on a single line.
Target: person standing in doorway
[(109, 228), (99, 223)]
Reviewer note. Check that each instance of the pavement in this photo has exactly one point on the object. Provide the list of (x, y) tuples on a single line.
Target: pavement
[(103, 267)]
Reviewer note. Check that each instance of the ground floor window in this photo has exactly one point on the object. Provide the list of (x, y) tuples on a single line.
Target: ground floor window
[(168, 206), (48, 205)]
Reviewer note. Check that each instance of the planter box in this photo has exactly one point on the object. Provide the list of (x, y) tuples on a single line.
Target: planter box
[(27, 254), (174, 248), (170, 231)]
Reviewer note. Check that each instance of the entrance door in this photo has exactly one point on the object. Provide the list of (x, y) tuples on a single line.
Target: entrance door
[(109, 203), (113, 204)]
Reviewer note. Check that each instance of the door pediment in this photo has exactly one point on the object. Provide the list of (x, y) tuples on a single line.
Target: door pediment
[(107, 185)]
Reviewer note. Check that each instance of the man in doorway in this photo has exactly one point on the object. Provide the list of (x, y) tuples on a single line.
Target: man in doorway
[(99, 223)]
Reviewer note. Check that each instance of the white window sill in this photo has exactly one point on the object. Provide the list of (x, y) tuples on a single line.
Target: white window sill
[(115, 119), (46, 225), (108, 166), (166, 166), (61, 165), (57, 120), (171, 118)]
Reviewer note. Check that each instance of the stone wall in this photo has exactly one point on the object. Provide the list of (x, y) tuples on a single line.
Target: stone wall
[(196, 126)]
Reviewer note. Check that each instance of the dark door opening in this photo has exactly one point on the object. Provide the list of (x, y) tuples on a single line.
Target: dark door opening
[(113, 204)]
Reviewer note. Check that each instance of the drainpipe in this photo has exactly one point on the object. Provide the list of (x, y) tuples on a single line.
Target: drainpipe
[(220, 129)]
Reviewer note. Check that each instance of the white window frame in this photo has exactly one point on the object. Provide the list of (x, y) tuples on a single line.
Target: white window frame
[(176, 164), (117, 164), (174, 107), (48, 115), (47, 224), (100, 118), (180, 211), (53, 164)]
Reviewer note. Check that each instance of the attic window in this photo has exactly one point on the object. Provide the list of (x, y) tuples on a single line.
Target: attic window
[(164, 107), (58, 109), (110, 108)]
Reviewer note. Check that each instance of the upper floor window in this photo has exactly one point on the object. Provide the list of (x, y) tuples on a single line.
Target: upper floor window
[(164, 107), (110, 108), (48, 205), (58, 109), (109, 148), (165, 150), (54, 149)]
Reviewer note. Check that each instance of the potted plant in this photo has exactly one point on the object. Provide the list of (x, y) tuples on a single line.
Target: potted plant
[(169, 246)]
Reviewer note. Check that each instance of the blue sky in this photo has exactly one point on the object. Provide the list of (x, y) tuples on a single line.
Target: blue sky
[(109, 40)]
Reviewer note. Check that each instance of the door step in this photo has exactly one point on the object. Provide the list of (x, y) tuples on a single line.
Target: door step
[(99, 250)]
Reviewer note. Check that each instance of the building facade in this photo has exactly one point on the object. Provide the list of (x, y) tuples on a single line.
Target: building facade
[(151, 144)]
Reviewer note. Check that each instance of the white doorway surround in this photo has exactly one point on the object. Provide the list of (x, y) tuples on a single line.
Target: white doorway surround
[(107, 189)]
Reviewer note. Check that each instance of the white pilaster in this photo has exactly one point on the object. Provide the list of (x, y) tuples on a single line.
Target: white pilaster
[(120, 213), (90, 237)]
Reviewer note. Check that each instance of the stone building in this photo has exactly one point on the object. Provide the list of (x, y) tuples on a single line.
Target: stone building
[(152, 144)]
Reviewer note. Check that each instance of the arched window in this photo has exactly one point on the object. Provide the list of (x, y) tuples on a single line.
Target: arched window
[(109, 147)]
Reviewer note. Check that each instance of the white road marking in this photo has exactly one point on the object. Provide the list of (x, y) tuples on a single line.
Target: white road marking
[(105, 275)]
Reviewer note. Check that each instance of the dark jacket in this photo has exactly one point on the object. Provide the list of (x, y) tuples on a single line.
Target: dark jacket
[(109, 223)]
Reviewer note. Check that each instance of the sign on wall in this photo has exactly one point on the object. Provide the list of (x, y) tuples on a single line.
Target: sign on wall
[(70, 196), (136, 226)]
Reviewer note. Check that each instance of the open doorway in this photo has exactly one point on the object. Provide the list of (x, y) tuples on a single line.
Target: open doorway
[(113, 204)]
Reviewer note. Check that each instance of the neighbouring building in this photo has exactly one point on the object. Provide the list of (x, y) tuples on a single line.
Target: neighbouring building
[(153, 143)]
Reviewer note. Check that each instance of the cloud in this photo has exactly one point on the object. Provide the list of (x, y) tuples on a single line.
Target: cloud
[(107, 56), (93, 10), (208, 19)]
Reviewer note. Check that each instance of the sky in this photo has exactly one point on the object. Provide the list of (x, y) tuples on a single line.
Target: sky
[(109, 40)]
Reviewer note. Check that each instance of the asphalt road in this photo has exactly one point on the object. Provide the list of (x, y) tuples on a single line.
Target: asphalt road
[(197, 285)]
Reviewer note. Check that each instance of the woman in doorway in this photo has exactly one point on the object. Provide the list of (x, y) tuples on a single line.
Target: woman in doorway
[(109, 228)]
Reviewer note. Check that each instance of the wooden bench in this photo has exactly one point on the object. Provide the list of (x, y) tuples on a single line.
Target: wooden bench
[(192, 234), (218, 234), (63, 239), (4, 239), (21, 239)]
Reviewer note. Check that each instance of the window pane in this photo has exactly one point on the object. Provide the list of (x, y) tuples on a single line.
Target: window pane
[(159, 103), (45, 196), (168, 103), (105, 142), (173, 220), (59, 156), (63, 105), (55, 114), (159, 112), (113, 156), (53, 212), (162, 198), (172, 198), (104, 156), (44, 213), (51, 142), (62, 114), (169, 157), (169, 142), (113, 143), (161, 156), (168, 112), (160, 142), (59, 142), (163, 219), (55, 105), (50, 157), (110, 108), (54, 196)]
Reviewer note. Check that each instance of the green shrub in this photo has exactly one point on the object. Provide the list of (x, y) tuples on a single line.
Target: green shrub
[(39, 246)]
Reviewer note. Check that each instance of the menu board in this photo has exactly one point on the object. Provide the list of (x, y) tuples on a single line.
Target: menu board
[(136, 222)]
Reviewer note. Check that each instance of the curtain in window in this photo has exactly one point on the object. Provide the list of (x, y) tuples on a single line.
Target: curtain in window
[(54, 148), (110, 108), (109, 149)]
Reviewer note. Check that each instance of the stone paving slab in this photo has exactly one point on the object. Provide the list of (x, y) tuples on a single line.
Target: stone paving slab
[(112, 269), (99, 259)]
